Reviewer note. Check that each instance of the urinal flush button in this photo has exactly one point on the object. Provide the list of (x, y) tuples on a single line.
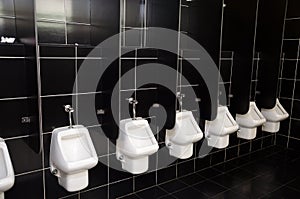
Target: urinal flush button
[(169, 144), (121, 157), (54, 172)]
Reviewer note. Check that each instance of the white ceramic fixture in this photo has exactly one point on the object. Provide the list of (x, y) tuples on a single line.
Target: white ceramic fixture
[(72, 154), (274, 116), (134, 145), (7, 177), (249, 122), (217, 131), (185, 133)]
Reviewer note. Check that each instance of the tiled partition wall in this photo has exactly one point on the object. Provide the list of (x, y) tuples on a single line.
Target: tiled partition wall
[(60, 25), (289, 135)]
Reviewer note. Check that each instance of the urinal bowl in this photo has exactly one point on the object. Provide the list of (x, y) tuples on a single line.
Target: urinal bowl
[(249, 122), (7, 177), (72, 154), (181, 138), (135, 143), (217, 131), (274, 116)]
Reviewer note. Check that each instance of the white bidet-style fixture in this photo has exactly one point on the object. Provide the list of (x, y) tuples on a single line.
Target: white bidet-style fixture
[(274, 116), (135, 143), (249, 122), (72, 154), (7, 177), (181, 138), (217, 131)]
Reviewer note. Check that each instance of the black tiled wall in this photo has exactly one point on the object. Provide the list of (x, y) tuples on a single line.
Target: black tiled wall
[(289, 87), (67, 31)]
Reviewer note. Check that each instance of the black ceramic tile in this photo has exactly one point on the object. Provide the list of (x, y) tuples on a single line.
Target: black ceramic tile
[(79, 34), (121, 188), (154, 192), (173, 186), (166, 174), (297, 90), (15, 75), (218, 157), (185, 168), (8, 27), (231, 153), (257, 187), (12, 113), (54, 114), (290, 49), (295, 127), (292, 9), (128, 74), (50, 10), (130, 196), (209, 173), (209, 188), (49, 32), (7, 8), (288, 86), (192, 179), (77, 11), (294, 144), (145, 180), (29, 186), (101, 192), (296, 109), (191, 192), (229, 194), (290, 31), (202, 162), (288, 70), (98, 175), (225, 70), (295, 184), (57, 76), (15, 50), (283, 192), (133, 13), (21, 153), (57, 51)]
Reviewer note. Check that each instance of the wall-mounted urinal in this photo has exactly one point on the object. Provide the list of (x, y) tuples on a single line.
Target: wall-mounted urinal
[(249, 122), (217, 131), (7, 177), (72, 154), (185, 133), (135, 143), (274, 116)]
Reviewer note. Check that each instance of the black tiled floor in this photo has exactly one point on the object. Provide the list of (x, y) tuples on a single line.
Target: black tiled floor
[(270, 173)]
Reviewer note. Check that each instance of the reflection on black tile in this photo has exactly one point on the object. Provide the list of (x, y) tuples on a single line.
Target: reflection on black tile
[(173, 186), (209, 173), (121, 188), (79, 34), (192, 179), (191, 192), (51, 32), (50, 9), (209, 188), (229, 195), (77, 11), (154, 192), (27, 186), (8, 27), (116, 172), (99, 139)]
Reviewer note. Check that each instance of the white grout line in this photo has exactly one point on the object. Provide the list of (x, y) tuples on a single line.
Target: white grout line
[(292, 18)]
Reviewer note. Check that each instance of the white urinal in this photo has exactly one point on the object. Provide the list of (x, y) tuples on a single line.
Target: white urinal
[(217, 131), (274, 116), (180, 139), (7, 177), (72, 154), (134, 145), (249, 122)]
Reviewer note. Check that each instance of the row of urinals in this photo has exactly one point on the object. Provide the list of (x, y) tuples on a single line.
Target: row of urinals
[(72, 152)]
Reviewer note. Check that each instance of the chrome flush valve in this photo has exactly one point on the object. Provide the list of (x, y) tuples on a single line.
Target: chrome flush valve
[(70, 110), (134, 103)]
